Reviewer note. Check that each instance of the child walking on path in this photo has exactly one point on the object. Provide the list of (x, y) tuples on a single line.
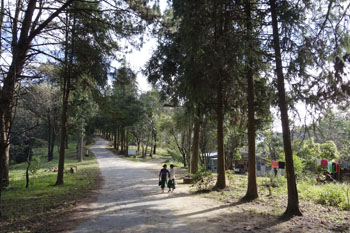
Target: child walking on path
[(171, 182), (163, 174)]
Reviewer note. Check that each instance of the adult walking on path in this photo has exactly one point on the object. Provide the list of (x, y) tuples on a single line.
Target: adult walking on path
[(130, 201)]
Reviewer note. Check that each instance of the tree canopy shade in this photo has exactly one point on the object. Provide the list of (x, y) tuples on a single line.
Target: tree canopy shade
[(34, 29), (229, 51)]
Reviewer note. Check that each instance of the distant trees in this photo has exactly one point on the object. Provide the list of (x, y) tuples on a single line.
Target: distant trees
[(34, 30), (231, 51)]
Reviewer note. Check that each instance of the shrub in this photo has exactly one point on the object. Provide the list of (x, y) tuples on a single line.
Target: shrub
[(202, 179), (230, 176), (175, 155), (276, 181), (331, 195)]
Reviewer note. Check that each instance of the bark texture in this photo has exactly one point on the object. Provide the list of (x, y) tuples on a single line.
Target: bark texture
[(252, 190), (221, 181), (293, 201), (195, 152)]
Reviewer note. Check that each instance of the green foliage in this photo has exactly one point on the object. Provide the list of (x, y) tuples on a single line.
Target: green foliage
[(276, 181), (202, 180), (44, 202), (176, 156), (35, 165), (237, 156), (309, 152), (329, 150), (333, 194), (230, 175), (299, 166)]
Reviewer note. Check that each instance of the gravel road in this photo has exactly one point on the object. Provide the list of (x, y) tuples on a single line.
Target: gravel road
[(130, 201)]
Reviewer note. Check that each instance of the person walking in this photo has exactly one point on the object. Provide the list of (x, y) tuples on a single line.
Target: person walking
[(163, 175), (171, 182)]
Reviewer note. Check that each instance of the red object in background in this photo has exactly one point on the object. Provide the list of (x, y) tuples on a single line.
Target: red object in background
[(324, 163), (274, 164)]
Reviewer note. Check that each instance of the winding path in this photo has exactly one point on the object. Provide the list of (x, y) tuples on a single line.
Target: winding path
[(130, 201)]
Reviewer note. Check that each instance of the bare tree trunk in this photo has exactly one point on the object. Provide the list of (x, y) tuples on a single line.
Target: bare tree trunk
[(252, 191), (2, 11), (81, 141), (221, 181), (293, 200), (189, 142), (64, 115), (49, 155), (115, 139), (127, 143), (66, 140), (195, 152), (155, 141), (138, 147), (118, 138), (147, 143), (122, 143)]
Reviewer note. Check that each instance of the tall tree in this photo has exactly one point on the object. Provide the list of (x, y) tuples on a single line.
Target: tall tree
[(28, 28), (252, 191), (293, 200)]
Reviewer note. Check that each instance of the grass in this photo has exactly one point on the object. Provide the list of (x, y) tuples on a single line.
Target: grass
[(37, 208), (326, 203)]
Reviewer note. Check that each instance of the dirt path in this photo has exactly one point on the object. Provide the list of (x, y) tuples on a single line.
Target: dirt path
[(130, 201)]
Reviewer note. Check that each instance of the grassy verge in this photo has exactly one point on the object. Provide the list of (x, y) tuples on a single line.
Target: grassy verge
[(39, 207), (325, 204)]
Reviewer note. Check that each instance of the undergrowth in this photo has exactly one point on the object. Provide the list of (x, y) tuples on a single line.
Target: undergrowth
[(37, 207)]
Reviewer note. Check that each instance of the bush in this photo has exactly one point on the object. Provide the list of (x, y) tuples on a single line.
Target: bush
[(331, 195), (175, 156), (327, 194), (276, 181), (202, 179), (38, 143), (230, 176)]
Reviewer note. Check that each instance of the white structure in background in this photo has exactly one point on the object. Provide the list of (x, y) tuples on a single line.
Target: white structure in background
[(213, 162), (241, 166), (132, 152)]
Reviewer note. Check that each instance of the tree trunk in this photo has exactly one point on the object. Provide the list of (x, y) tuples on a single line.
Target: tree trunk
[(66, 142), (2, 11), (118, 139), (189, 141), (81, 141), (147, 142), (127, 143), (115, 139), (10, 83), (122, 143), (64, 115), (221, 181), (143, 151), (293, 201), (252, 191), (49, 155), (155, 142), (53, 138), (195, 152)]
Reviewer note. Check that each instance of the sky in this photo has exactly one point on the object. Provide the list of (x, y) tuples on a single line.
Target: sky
[(138, 58)]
